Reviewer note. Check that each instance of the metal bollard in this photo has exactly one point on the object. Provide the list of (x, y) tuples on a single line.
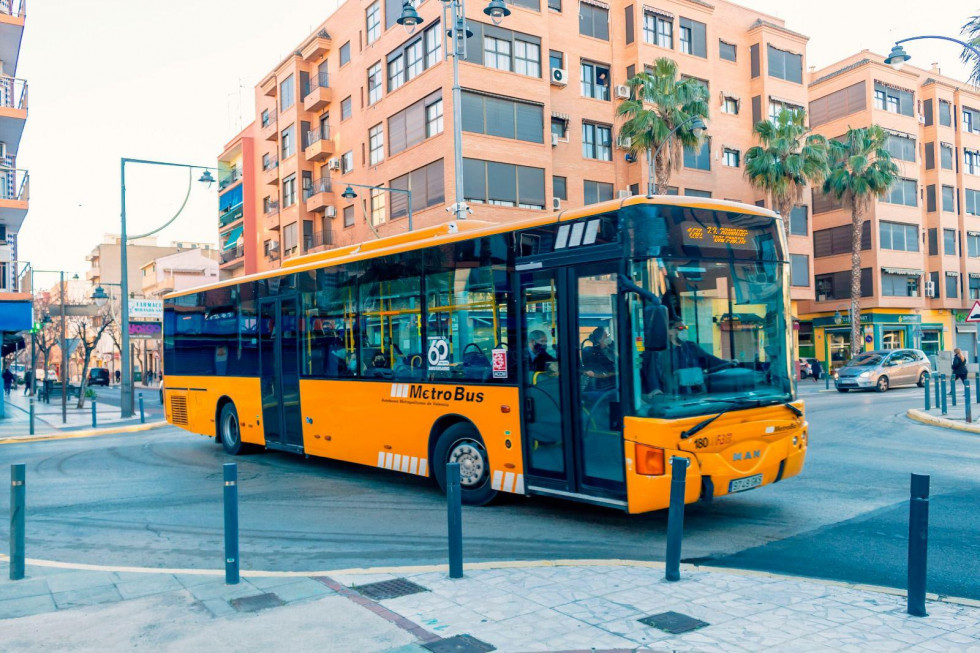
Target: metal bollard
[(952, 389), (675, 517), (935, 380), (918, 544), (942, 392), (826, 380), (143, 417), (926, 386), (231, 524), (95, 422), (18, 491), (978, 386), (31, 412), (966, 401), (454, 500)]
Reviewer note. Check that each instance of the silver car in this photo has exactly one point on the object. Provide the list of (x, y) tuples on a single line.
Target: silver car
[(879, 370)]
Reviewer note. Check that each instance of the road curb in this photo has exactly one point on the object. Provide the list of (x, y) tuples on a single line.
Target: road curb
[(87, 433), (932, 420), (501, 564)]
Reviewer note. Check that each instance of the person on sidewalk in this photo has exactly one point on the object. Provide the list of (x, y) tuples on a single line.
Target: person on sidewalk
[(28, 377), (816, 370), (118, 375), (959, 368), (8, 380)]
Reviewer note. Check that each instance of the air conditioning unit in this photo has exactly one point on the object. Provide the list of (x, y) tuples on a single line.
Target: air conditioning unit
[(331, 212), (625, 193), (922, 119), (624, 142), (555, 203), (554, 140), (333, 164), (559, 77), (930, 289), (273, 245), (623, 92)]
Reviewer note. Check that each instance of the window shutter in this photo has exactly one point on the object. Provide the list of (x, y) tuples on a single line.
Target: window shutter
[(930, 155), (630, 71), (399, 201), (418, 185), (927, 111), (396, 133), (699, 39), (756, 109), (754, 59), (435, 182), (931, 198), (393, 9), (530, 185), (629, 25), (472, 110), (501, 181), (600, 19), (475, 179), (530, 123), (414, 124)]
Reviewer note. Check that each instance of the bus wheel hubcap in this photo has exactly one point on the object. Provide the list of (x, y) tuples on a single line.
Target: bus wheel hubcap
[(472, 463), (231, 430)]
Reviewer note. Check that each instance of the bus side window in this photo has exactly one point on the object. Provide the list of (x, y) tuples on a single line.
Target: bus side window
[(331, 321), (391, 321)]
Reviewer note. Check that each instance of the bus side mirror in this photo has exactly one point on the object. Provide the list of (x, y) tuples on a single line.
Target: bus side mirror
[(655, 336)]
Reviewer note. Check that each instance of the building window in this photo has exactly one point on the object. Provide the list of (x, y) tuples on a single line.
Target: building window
[(694, 192), (729, 105), (289, 191), (559, 187), (556, 59), (952, 285), (901, 147), (730, 157), (726, 52), (349, 216), (899, 285), (903, 191), (971, 162), (345, 108), (837, 285), (346, 162), (693, 38), (597, 191), (414, 60), (596, 141), (377, 206), (785, 65), (894, 100), (496, 53), (345, 53), (945, 115), (798, 221), (433, 118), (497, 116), (973, 244), (837, 240), (946, 156), (427, 185), (290, 238), (287, 93), (266, 118), (503, 184), (972, 201), (376, 144), (949, 242), (658, 30), (949, 199), (288, 142), (974, 288), (971, 120), (554, 5), (559, 127), (527, 58), (433, 46), (799, 270), (374, 83), (396, 73), (898, 236), (686, 39), (698, 158), (595, 81), (373, 19), (593, 21), (775, 106)]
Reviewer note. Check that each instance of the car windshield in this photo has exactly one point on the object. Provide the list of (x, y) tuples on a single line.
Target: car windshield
[(864, 360)]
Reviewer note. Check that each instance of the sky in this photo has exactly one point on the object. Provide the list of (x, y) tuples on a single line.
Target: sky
[(174, 81)]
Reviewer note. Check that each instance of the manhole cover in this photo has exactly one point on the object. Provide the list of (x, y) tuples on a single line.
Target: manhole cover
[(389, 589), (673, 622), (257, 602), (459, 644)]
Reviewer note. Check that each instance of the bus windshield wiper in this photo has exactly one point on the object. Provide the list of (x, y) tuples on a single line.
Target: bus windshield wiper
[(796, 411), (736, 403)]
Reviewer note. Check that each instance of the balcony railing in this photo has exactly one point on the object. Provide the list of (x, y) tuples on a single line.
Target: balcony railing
[(272, 253), (13, 7), (317, 80), (319, 239), (229, 178), (230, 255), (268, 119), (270, 163), (13, 93), (14, 184), (272, 207), (320, 185), (316, 135)]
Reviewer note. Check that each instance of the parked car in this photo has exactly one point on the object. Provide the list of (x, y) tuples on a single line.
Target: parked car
[(880, 370), (98, 376)]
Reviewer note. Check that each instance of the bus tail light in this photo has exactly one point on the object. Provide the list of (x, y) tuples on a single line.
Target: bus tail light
[(649, 460)]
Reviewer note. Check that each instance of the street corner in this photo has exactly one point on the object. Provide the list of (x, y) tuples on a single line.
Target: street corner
[(83, 433), (941, 421)]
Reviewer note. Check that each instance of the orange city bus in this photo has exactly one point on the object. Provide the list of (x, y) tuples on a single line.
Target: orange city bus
[(570, 355)]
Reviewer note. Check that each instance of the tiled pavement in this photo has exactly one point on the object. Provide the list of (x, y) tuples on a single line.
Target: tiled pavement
[(524, 607)]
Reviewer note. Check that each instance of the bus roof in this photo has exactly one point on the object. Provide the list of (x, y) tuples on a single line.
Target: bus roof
[(450, 232)]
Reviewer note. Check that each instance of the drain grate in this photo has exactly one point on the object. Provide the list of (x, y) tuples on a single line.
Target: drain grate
[(674, 623), (257, 602), (459, 644), (389, 589)]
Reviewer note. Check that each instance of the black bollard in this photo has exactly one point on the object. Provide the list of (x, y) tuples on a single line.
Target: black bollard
[(455, 514), (977, 383), (142, 416), (675, 517), (231, 524), (966, 401), (18, 491), (31, 412), (926, 386), (942, 392), (935, 381), (952, 389), (95, 422), (918, 544)]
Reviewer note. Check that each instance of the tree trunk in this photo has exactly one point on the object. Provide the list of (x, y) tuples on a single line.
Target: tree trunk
[(857, 220), (783, 206), (83, 383), (663, 170)]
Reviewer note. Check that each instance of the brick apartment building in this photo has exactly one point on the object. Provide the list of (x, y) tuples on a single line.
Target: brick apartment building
[(921, 258), (361, 101)]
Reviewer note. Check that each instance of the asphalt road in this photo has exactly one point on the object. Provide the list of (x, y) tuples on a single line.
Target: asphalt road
[(154, 499)]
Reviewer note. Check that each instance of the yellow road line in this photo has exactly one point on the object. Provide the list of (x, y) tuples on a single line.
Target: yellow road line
[(87, 433)]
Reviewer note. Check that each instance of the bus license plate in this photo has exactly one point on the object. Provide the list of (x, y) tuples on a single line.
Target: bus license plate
[(747, 483)]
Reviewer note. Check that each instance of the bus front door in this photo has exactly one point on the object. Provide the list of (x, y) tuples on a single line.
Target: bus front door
[(279, 363), (572, 412)]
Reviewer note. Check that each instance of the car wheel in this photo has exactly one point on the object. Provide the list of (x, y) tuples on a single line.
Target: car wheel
[(461, 443), (842, 389), (882, 385), (231, 435), (922, 379)]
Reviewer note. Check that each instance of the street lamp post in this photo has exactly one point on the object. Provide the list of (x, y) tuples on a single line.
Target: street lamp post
[(454, 13), (897, 57), (349, 194), (697, 126), (126, 392)]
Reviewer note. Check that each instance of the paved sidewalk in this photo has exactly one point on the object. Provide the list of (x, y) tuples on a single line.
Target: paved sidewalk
[(544, 606), (47, 418)]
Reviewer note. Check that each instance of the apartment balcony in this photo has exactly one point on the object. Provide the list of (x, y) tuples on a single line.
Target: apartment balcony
[(268, 86), (320, 45), (319, 241), (13, 111), (233, 258), (229, 178), (318, 94), (14, 193), (270, 171), (268, 125), (12, 14), (319, 196), (271, 218), (319, 147), (272, 251)]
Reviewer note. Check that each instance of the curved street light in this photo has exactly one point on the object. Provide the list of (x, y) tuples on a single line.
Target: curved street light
[(898, 56), (697, 127)]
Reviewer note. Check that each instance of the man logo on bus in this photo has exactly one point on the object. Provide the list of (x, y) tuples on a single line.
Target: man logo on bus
[(748, 455)]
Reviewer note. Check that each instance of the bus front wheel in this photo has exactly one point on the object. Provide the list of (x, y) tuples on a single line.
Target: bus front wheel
[(462, 444), (231, 435)]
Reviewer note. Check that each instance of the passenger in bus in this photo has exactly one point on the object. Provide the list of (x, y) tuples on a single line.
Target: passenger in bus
[(598, 360), (539, 358)]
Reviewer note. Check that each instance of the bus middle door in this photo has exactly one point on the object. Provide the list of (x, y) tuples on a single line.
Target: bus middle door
[(279, 363)]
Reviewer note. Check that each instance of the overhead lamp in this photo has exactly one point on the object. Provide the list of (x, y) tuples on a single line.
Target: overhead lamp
[(409, 18), (897, 58), (497, 11)]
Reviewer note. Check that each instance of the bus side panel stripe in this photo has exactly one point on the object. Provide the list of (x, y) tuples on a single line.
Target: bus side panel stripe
[(397, 464), (388, 461), (381, 459), (413, 468), (405, 461), (422, 465), (509, 482), (519, 488), (497, 476)]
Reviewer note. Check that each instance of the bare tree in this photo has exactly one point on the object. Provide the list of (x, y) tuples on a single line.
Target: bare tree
[(88, 331)]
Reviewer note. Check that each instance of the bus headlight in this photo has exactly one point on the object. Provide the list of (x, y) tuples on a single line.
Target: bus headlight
[(649, 460)]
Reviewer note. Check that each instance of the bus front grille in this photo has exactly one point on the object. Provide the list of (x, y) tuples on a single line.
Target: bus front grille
[(178, 409)]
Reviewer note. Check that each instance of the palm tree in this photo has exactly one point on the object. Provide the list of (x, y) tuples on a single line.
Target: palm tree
[(860, 171), (971, 32), (787, 160), (673, 101)]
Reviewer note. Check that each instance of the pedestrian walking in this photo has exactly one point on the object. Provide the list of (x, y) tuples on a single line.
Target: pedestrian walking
[(28, 378), (816, 371), (118, 374), (959, 367), (8, 380)]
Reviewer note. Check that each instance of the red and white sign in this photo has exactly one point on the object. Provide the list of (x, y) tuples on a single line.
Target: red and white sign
[(499, 363), (974, 315)]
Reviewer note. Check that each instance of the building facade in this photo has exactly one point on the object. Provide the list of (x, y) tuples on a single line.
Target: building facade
[(360, 101), (921, 241), (104, 260), (175, 272)]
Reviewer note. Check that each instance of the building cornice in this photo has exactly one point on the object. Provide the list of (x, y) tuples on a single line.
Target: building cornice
[(766, 25)]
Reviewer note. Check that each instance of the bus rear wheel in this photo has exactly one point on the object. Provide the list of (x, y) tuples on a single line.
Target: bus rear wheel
[(231, 434), (461, 443)]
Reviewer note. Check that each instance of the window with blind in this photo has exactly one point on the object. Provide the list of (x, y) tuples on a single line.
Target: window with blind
[(971, 120), (559, 187), (694, 38), (837, 285), (345, 108), (503, 117), (898, 236), (971, 200), (824, 203), (694, 192), (597, 191), (726, 51), (658, 30), (949, 242), (952, 285), (973, 244), (931, 198), (698, 158), (929, 154), (503, 184), (754, 63), (290, 237), (971, 162), (949, 199), (945, 114), (427, 185), (899, 285), (345, 53), (903, 191), (785, 65), (799, 272), (838, 104), (974, 288), (287, 93), (837, 240), (901, 147), (593, 21), (288, 142), (894, 100), (349, 216), (409, 126), (798, 221)]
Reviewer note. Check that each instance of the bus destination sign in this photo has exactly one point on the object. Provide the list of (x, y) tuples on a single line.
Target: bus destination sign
[(701, 235)]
